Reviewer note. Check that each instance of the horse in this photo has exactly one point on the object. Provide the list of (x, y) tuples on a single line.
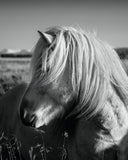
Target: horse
[(19, 142), (78, 80)]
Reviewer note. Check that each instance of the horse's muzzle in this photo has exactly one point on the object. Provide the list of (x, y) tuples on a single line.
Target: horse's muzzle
[(27, 117)]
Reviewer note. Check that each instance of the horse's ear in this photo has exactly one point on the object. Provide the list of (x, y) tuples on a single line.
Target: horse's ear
[(47, 37)]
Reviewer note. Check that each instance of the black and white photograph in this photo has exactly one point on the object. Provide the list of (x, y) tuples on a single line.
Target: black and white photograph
[(63, 80)]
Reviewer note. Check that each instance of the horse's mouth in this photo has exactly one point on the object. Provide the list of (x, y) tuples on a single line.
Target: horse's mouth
[(28, 120)]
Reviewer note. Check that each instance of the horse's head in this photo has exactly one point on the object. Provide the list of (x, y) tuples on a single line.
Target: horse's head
[(69, 77), (50, 94)]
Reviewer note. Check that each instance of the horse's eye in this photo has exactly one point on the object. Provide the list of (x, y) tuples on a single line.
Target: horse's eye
[(52, 48)]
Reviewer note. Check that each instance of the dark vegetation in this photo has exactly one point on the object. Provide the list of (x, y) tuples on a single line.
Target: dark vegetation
[(122, 52)]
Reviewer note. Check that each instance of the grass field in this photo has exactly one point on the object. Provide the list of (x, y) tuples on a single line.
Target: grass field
[(12, 72)]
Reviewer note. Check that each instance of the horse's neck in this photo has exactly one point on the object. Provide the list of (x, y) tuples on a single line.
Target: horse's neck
[(114, 117), (104, 132), (113, 121)]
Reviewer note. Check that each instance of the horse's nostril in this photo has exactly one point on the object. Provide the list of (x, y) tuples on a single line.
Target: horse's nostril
[(27, 118)]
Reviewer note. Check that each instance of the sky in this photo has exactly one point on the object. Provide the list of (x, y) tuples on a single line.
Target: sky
[(20, 20)]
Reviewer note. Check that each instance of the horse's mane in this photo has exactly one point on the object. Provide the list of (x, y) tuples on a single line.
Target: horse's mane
[(94, 65)]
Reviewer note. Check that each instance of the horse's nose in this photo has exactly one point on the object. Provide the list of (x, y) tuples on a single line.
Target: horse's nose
[(26, 117)]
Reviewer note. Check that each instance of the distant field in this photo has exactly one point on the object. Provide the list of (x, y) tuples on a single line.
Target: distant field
[(10, 66), (12, 72)]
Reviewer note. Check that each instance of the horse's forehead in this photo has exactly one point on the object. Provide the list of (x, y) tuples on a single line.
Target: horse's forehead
[(64, 82)]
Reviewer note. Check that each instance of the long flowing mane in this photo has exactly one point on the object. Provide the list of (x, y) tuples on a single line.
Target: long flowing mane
[(94, 65)]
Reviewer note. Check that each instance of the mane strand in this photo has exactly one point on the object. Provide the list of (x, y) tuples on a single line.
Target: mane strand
[(95, 67)]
